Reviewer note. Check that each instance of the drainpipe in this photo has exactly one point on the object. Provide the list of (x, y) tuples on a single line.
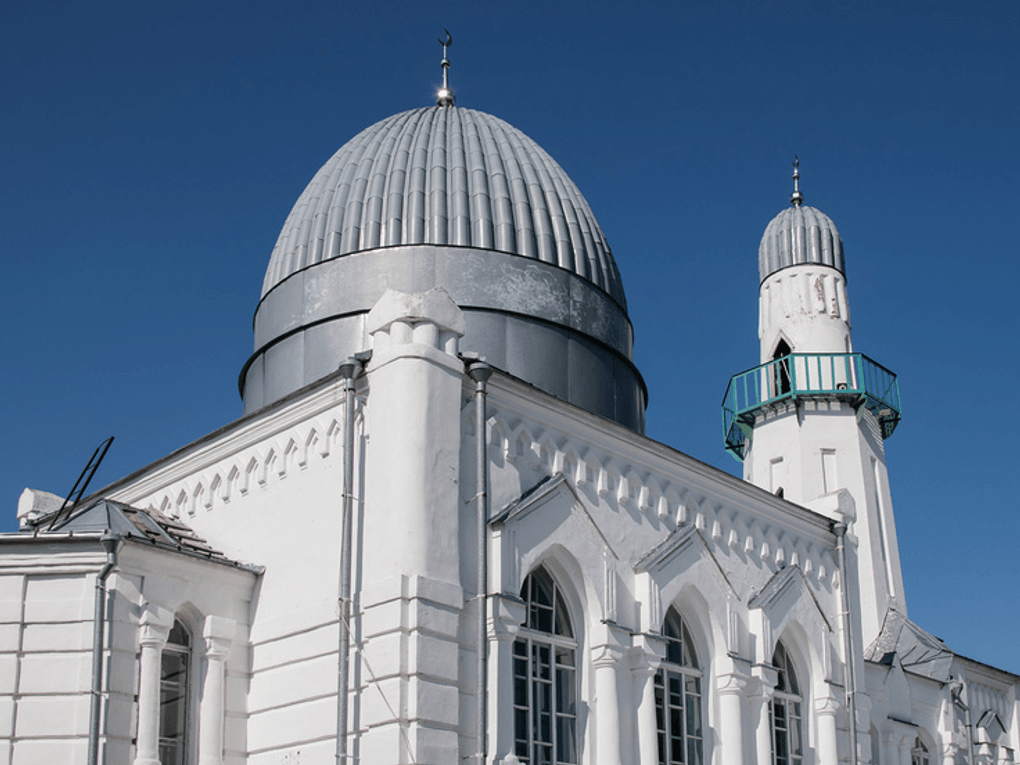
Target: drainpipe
[(349, 370), (839, 529), (480, 372), (109, 541)]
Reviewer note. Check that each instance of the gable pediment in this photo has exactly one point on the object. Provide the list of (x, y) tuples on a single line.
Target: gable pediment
[(788, 592), (551, 503)]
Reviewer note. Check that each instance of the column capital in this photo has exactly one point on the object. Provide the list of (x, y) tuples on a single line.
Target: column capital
[(612, 645), (765, 678), (647, 652), (734, 683), (154, 626), (950, 750), (219, 634), (506, 614), (827, 704), (606, 655)]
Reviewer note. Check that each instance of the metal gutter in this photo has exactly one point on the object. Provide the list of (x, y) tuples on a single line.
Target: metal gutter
[(349, 370), (110, 544), (480, 372)]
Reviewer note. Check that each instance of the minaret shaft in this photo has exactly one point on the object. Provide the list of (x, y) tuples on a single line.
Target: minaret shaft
[(811, 419)]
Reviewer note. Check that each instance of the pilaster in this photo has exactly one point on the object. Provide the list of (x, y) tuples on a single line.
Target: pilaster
[(408, 550), (647, 654), (408, 672), (154, 629), (760, 695), (218, 634), (732, 689), (506, 614), (607, 658)]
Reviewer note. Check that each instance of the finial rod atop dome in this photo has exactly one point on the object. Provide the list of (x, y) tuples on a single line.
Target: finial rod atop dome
[(445, 97), (796, 198)]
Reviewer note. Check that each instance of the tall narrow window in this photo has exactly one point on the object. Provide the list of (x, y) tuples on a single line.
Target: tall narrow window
[(781, 369), (678, 697), (786, 712), (545, 677), (173, 696), (919, 753)]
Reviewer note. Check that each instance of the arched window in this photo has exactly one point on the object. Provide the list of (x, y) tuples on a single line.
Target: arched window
[(173, 696), (781, 369), (919, 753), (678, 697), (545, 677), (786, 712)]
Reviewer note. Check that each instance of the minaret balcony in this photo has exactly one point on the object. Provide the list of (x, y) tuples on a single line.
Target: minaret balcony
[(850, 377)]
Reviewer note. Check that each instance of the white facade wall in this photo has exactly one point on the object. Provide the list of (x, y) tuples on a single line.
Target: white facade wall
[(626, 527)]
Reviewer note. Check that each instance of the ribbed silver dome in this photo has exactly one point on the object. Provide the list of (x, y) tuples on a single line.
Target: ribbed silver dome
[(444, 176), (799, 234), (457, 199)]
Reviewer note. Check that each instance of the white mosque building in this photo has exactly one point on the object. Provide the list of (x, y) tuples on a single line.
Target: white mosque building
[(439, 535)]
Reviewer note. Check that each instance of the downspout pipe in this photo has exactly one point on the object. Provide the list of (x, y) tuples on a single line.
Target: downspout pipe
[(110, 541), (480, 372), (839, 529), (349, 370)]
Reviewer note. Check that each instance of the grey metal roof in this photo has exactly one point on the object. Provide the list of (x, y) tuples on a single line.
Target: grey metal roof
[(919, 651), (444, 176), (799, 234), (133, 523)]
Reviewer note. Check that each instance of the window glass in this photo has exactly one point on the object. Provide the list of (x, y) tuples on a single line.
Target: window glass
[(545, 677), (919, 753), (173, 696), (678, 702), (786, 712)]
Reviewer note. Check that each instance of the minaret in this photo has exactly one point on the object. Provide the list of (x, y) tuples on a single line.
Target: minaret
[(811, 419)]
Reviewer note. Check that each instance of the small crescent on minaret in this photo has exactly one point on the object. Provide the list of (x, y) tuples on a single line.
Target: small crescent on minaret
[(449, 39)]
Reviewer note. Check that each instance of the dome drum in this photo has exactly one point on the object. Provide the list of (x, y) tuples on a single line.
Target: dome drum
[(554, 358), (474, 278)]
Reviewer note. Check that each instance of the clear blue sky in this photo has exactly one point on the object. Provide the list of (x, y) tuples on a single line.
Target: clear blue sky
[(151, 151)]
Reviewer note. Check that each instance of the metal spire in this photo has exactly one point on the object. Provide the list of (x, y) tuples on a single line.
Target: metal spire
[(796, 198), (445, 96)]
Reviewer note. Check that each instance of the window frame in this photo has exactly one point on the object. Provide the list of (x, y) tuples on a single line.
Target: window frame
[(545, 664), (920, 754), (176, 750), (673, 721), (789, 740)]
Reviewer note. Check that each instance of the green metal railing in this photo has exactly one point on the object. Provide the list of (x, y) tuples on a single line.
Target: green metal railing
[(850, 376)]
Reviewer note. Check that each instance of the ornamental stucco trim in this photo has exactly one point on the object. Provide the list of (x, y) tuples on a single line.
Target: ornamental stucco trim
[(666, 501)]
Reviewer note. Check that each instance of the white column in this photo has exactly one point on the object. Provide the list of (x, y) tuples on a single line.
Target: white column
[(827, 707), (607, 658), (906, 743), (505, 617), (219, 634), (155, 628), (648, 652), (949, 754), (731, 689), (890, 748), (766, 677)]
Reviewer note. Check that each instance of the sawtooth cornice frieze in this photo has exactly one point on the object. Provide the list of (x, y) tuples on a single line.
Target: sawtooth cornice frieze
[(539, 436), (246, 456)]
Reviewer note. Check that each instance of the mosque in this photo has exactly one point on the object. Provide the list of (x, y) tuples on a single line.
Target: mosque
[(439, 535)]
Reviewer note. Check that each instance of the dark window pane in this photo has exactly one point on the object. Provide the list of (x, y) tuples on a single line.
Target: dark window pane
[(565, 751), (179, 635)]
